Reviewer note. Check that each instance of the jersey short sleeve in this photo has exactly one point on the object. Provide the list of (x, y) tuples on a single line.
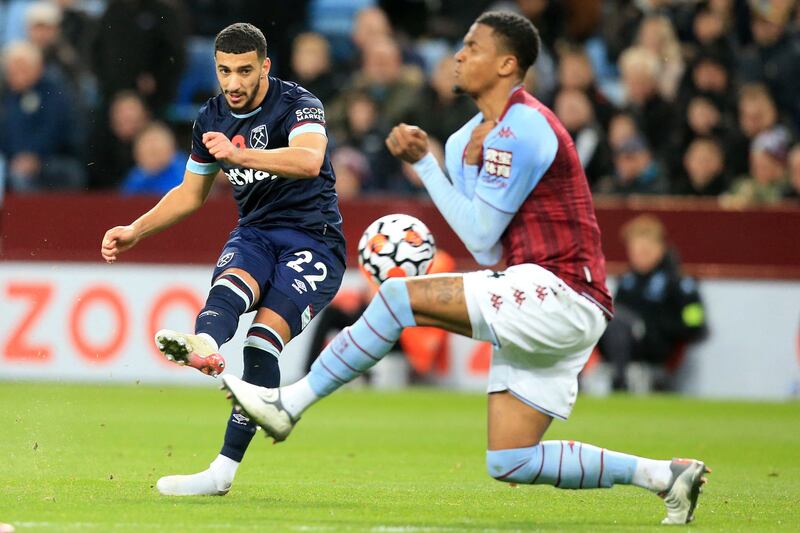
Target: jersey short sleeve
[(200, 161), (516, 154), (306, 115)]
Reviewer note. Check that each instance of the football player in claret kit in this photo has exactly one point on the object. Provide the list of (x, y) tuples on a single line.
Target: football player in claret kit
[(517, 192), (285, 258)]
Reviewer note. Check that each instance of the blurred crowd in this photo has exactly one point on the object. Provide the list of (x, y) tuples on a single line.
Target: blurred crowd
[(675, 97)]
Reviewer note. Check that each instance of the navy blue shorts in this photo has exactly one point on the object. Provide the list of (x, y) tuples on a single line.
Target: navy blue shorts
[(298, 273)]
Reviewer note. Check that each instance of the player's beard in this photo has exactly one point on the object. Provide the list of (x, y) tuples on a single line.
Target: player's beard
[(248, 105)]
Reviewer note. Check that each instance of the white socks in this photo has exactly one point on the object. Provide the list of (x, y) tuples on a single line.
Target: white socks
[(652, 475), (224, 468), (298, 397), (215, 481)]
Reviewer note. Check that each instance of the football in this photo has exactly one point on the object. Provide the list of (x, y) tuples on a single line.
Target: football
[(396, 246)]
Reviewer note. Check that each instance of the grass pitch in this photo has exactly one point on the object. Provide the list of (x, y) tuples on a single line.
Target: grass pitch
[(87, 458)]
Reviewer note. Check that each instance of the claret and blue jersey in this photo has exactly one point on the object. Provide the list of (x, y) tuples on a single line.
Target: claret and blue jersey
[(265, 199), (530, 177)]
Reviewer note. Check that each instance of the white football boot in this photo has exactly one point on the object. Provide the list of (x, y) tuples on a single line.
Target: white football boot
[(262, 405), (186, 349), (215, 481), (681, 497)]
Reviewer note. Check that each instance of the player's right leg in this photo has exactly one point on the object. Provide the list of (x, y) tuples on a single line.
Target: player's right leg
[(426, 301), (241, 271), (233, 293)]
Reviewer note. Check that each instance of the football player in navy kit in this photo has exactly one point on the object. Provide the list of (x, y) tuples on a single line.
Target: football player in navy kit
[(284, 259)]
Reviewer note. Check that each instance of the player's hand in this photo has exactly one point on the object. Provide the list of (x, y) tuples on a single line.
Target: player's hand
[(408, 143), (474, 151), (117, 240), (219, 146)]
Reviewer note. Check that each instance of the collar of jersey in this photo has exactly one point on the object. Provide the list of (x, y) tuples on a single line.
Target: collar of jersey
[(246, 115)]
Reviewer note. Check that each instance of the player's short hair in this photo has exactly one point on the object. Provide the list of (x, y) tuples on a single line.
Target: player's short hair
[(517, 34), (241, 38)]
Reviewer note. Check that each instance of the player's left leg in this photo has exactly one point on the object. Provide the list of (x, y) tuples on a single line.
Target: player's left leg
[(545, 341), (268, 335), (244, 266)]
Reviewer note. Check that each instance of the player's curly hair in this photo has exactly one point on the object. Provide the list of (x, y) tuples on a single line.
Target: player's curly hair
[(517, 33), (241, 38)]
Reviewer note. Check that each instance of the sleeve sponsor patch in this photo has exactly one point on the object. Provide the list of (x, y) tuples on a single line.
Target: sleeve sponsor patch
[(310, 113), (496, 167)]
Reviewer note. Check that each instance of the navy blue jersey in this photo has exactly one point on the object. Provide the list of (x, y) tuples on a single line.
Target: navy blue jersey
[(266, 200)]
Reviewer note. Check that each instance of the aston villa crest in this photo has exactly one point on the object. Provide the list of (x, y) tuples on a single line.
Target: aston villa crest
[(258, 137)]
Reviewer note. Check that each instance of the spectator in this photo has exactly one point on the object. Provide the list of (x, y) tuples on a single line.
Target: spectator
[(640, 68), (311, 65), (575, 72), (711, 29), (621, 127), (363, 131), (635, 170), (140, 47), (393, 86), (352, 170), (774, 57), (439, 110), (111, 149), (767, 180), (757, 113), (794, 173), (369, 26), (710, 76), (43, 20), (703, 169), (573, 108), (657, 310), (657, 35), (37, 134), (159, 164), (77, 28), (372, 25), (704, 118), (335, 19)]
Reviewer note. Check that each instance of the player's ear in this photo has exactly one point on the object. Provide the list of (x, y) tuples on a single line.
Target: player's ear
[(508, 65), (265, 68)]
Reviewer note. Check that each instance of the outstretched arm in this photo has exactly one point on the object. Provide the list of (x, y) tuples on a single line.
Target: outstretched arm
[(176, 205)]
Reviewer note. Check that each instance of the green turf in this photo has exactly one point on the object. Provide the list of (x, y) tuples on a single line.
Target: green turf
[(87, 458)]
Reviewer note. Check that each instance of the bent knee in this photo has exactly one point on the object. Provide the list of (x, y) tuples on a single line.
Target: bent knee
[(393, 288), (510, 466)]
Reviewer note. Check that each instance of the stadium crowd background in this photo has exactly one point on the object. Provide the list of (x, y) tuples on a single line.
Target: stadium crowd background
[(677, 97)]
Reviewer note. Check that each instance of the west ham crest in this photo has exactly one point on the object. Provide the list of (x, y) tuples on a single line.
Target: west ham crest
[(259, 137)]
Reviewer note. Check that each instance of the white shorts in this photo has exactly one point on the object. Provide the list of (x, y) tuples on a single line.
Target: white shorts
[(543, 332)]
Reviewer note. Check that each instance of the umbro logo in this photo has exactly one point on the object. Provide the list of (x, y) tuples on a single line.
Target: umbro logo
[(240, 419), (299, 286)]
